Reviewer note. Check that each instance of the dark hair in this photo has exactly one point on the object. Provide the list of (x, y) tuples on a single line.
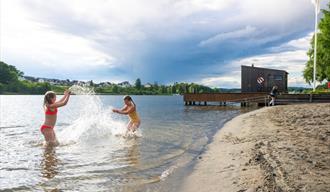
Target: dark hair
[(49, 95), (129, 98)]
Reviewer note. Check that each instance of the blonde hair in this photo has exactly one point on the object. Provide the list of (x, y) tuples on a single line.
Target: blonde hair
[(49, 95)]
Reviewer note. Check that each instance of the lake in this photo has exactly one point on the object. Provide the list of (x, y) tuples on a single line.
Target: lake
[(93, 156)]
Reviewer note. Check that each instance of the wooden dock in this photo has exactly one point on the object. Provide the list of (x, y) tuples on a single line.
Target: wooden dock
[(245, 99)]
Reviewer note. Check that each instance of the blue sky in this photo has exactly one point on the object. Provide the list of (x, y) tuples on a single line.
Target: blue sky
[(202, 41)]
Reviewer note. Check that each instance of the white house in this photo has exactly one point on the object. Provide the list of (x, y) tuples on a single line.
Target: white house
[(124, 84), (148, 85)]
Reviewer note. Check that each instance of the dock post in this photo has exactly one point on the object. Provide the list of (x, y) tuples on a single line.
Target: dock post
[(185, 103), (224, 104), (190, 103), (194, 103), (205, 103)]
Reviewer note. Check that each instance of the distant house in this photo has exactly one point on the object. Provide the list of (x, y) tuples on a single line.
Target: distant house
[(41, 80), (148, 85), (124, 84), (52, 82), (104, 84), (256, 79)]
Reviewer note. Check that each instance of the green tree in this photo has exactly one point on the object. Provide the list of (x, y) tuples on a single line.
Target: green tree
[(323, 52), (8, 73), (115, 89), (138, 84)]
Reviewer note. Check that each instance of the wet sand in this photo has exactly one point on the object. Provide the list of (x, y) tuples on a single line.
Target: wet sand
[(281, 148)]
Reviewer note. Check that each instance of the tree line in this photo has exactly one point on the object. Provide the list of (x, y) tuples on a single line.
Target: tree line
[(156, 89), (12, 83)]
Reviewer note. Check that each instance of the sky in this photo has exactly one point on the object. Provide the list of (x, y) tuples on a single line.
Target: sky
[(164, 41)]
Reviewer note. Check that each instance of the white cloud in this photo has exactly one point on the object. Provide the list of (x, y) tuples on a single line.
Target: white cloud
[(188, 7), (31, 40), (296, 44), (225, 81)]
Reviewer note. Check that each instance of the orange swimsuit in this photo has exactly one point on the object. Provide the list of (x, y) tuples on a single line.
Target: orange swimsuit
[(48, 112), (134, 117)]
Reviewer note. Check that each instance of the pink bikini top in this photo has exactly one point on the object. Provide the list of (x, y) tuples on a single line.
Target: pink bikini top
[(49, 112)]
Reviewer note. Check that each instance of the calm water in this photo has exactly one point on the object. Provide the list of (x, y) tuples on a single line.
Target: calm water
[(92, 155)]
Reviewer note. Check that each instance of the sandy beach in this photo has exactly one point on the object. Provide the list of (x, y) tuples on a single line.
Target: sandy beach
[(281, 148)]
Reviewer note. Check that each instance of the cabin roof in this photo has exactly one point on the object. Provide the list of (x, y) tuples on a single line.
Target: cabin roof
[(265, 68)]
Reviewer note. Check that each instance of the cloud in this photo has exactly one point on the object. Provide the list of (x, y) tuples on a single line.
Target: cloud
[(296, 44), (164, 41), (238, 34), (223, 81)]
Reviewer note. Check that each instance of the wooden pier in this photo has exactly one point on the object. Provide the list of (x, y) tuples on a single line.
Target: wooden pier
[(246, 99)]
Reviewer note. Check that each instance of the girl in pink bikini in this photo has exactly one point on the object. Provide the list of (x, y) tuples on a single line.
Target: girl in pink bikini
[(50, 107)]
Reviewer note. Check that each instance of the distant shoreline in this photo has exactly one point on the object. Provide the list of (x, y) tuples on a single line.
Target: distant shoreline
[(95, 94), (281, 148)]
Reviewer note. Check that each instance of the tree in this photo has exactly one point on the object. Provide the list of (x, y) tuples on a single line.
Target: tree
[(115, 89), (138, 84), (323, 52), (8, 73)]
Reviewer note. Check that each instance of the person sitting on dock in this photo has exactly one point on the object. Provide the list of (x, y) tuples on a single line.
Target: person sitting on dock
[(273, 94)]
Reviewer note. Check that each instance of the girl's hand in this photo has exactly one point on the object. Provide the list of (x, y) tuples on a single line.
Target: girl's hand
[(115, 110)]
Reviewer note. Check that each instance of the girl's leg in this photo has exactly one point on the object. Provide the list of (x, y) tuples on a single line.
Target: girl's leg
[(129, 127), (135, 126), (55, 141), (48, 135)]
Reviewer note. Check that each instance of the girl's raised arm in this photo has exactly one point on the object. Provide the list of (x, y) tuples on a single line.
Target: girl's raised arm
[(64, 96), (62, 102)]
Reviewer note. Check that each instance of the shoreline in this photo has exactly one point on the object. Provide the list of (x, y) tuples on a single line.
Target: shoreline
[(267, 150)]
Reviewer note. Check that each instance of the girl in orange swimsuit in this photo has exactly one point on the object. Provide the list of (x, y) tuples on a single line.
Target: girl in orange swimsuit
[(50, 107), (130, 110)]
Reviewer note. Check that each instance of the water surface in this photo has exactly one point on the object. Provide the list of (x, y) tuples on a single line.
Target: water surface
[(92, 155)]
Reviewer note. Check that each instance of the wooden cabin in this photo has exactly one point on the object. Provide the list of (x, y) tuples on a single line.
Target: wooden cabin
[(257, 79)]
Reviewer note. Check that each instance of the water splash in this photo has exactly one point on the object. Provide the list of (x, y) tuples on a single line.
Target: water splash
[(94, 121)]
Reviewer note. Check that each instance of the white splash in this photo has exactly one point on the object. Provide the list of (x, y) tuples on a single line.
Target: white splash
[(94, 121)]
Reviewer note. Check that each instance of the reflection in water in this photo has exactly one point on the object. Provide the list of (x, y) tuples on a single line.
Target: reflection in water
[(49, 163), (133, 153)]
